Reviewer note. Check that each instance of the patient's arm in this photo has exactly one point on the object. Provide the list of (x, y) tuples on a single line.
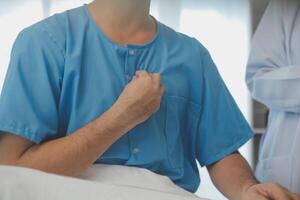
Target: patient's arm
[(231, 174), (67, 156), (73, 154), (234, 178)]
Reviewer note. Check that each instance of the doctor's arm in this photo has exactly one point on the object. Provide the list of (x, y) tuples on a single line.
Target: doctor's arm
[(270, 78), (234, 178), (73, 154)]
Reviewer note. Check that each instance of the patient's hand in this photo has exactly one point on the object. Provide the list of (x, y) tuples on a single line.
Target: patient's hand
[(269, 191), (140, 99)]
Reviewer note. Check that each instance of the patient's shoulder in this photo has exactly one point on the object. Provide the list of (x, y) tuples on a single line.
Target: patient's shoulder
[(185, 42), (47, 33)]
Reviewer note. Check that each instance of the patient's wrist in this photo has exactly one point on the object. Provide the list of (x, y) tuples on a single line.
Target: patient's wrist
[(246, 187), (114, 122)]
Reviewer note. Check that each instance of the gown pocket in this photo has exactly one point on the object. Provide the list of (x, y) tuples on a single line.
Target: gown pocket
[(180, 123), (118, 153)]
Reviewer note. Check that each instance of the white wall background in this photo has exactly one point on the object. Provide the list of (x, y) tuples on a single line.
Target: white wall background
[(222, 26)]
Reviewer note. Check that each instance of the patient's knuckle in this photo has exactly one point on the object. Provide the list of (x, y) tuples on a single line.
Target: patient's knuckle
[(276, 185)]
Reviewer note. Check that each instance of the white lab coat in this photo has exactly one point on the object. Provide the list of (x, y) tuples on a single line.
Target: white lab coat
[(273, 77)]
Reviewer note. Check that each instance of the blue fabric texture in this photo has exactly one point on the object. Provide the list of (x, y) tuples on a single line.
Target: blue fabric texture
[(65, 72)]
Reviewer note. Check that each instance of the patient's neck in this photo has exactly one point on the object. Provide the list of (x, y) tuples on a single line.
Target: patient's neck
[(124, 19)]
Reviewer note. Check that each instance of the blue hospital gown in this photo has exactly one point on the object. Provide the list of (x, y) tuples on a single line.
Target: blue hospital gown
[(65, 72)]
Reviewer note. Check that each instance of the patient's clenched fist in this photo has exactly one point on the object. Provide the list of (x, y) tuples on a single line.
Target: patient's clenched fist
[(140, 98)]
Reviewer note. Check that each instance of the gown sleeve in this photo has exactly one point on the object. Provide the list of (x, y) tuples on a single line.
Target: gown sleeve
[(29, 99), (222, 128)]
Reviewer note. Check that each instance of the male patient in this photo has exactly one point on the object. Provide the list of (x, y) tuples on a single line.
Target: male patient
[(107, 83)]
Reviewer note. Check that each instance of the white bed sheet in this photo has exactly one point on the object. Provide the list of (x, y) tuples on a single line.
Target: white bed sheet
[(100, 182)]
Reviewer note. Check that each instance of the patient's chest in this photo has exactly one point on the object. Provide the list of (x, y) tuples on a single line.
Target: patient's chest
[(93, 82)]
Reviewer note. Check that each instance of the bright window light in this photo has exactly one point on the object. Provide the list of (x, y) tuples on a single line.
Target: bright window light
[(154, 10), (17, 17), (57, 6)]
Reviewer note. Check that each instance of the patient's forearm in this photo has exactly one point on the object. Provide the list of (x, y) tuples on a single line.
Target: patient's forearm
[(73, 154), (232, 176), (70, 155)]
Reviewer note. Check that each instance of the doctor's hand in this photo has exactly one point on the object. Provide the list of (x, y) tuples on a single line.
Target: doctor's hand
[(140, 99), (269, 192)]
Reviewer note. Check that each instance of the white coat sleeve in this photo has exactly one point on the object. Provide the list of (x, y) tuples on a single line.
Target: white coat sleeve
[(270, 78)]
